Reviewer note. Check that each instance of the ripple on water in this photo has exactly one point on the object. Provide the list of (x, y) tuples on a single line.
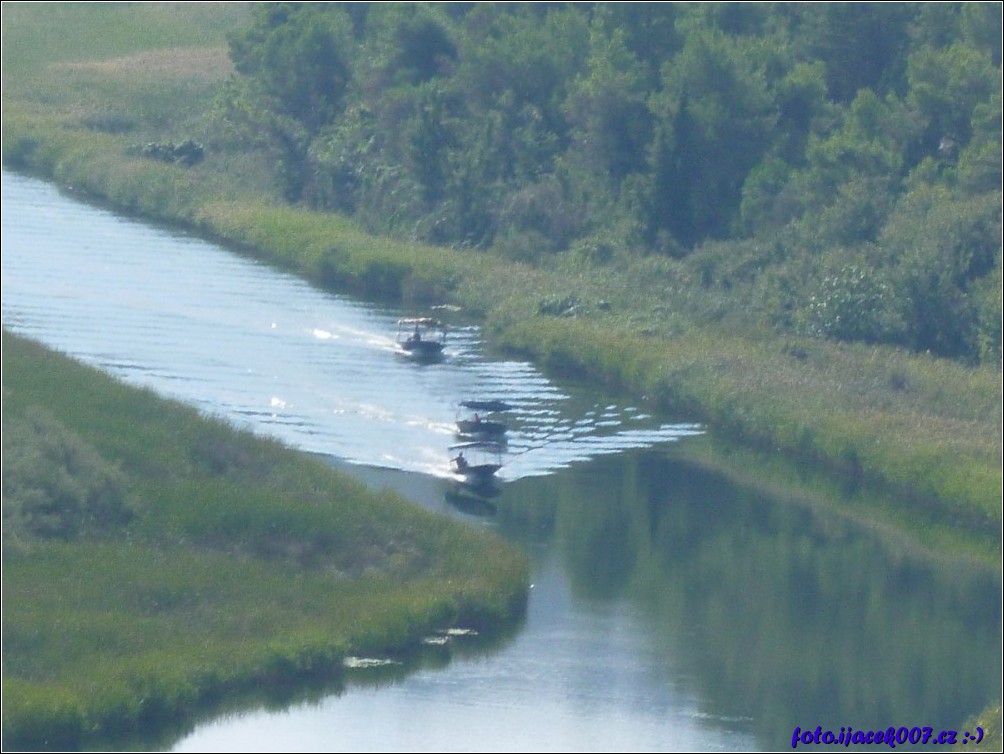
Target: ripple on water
[(237, 339)]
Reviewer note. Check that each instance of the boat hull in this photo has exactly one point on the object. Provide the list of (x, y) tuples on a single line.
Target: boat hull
[(481, 428), (424, 351)]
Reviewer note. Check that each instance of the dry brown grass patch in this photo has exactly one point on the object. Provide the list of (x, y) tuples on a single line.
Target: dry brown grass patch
[(205, 63)]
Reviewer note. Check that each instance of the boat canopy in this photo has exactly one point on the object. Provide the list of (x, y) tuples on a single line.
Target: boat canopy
[(493, 405), (486, 445), (430, 322)]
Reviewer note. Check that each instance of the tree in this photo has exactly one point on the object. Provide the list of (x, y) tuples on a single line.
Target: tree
[(407, 44), (611, 123), (716, 118), (293, 61), (648, 29), (862, 45), (295, 53), (946, 85), (942, 246), (862, 160)]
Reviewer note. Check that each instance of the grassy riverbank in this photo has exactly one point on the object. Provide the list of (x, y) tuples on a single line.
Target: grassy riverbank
[(154, 558)]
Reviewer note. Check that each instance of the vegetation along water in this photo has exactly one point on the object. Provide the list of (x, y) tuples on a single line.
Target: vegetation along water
[(780, 219)]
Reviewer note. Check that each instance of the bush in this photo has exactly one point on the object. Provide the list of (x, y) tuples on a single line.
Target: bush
[(187, 153), (54, 484), (853, 302)]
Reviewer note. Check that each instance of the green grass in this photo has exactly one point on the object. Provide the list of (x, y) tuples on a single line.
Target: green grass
[(239, 561), (35, 37)]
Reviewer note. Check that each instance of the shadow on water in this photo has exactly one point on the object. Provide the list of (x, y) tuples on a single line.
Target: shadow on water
[(280, 693), (474, 500), (777, 613)]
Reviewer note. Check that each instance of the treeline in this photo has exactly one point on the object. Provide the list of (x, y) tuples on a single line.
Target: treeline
[(836, 167)]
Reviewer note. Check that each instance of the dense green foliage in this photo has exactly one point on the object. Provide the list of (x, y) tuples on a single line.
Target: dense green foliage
[(54, 484), (154, 558), (845, 156)]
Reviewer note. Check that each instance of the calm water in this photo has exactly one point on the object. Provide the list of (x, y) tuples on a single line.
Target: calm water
[(670, 609)]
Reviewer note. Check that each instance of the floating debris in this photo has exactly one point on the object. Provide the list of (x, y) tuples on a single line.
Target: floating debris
[(460, 632), (367, 662)]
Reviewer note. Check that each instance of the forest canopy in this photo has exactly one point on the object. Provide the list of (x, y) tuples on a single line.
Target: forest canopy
[(835, 166)]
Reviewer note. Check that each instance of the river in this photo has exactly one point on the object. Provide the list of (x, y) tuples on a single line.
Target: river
[(671, 609)]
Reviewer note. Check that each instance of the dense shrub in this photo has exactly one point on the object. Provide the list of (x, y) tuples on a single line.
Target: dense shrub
[(54, 484), (853, 302)]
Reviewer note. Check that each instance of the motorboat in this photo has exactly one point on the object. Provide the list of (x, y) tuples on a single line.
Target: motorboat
[(489, 405), (476, 462), (483, 426), (422, 338)]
